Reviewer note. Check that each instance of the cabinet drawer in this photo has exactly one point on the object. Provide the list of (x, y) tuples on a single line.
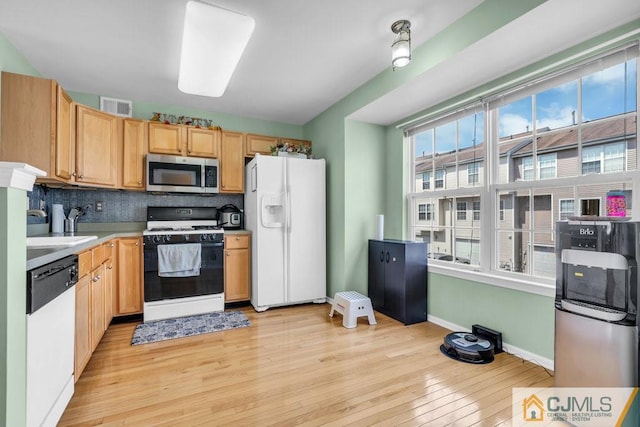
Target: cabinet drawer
[(236, 242), (97, 256), (84, 263)]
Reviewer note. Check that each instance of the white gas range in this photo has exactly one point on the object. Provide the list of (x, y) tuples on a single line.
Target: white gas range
[(183, 262)]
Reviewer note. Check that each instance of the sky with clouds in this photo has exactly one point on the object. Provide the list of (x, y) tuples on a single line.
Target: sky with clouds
[(606, 93)]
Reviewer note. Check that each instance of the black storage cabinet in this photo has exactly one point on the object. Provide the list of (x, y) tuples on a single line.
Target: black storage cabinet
[(398, 279)]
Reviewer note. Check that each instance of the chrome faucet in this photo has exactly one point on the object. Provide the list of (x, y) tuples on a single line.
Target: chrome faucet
[(36, 212)]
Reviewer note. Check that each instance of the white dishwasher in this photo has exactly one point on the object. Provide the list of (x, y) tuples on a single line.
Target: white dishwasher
[(51, 301)]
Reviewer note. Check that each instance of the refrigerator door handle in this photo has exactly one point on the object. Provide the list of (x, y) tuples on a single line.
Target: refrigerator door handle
[(254, 178), (287, 204)]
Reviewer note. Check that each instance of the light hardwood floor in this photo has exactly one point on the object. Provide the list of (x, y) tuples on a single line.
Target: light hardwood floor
[(296, 366)]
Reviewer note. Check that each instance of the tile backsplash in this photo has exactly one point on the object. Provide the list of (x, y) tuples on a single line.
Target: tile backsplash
[(118, 205)]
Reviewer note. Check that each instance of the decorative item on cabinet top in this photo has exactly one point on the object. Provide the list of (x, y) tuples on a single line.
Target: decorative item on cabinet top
[(290, 149), (172, 119)]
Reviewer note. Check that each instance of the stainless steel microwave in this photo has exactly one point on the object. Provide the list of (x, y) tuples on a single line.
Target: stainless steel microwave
[(177, 174)]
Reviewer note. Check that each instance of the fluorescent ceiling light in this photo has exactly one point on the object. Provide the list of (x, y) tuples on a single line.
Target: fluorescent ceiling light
[(212, 44)]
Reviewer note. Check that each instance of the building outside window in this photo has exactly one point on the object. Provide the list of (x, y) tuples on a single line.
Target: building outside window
[(556, 145), (429, 212), (422, 212), (476, 211), (426, 180), (566, 208), (440, 179), (472, 173), (461, 211)]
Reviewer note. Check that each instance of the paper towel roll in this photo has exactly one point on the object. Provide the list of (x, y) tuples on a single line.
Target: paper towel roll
[(379, 227), (57, 219)]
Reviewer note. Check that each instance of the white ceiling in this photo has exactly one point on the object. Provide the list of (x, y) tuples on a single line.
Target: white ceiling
[(303, 57)]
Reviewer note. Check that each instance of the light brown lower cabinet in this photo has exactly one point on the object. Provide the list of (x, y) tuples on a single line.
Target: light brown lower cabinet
[(237, 268), (97, 305), (83, 325), (130, 275)]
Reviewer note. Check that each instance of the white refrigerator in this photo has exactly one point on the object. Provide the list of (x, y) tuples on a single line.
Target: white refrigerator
[(284, 206)]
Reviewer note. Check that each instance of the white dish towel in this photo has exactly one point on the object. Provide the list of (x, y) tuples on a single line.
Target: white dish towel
[(183, 260)]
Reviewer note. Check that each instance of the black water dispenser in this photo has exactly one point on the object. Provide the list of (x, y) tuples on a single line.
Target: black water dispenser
[(596, 305)]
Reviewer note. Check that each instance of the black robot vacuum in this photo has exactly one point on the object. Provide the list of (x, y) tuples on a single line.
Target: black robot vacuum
[(467, 347)]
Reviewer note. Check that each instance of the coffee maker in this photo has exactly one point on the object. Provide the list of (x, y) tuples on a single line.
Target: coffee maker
[(596, 304)]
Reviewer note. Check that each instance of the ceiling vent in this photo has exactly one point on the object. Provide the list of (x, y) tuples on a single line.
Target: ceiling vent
[(119, 107)]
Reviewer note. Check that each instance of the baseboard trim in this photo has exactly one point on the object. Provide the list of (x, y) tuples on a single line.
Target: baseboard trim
[(508, 348)]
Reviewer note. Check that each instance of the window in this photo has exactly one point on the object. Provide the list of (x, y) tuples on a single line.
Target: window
[(547, 165), (527, 168), (557, 146), (461, 211), (567, 207), (429, 212), (472, 173), (426, 180), (440, 179), (604, 158), (422, 212)]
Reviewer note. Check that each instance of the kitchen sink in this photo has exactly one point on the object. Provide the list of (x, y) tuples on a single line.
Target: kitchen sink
[(52, 241)]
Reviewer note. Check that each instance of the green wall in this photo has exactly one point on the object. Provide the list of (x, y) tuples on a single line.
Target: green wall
[(365, 172), (144, 110), (525, 320), (13, 262), (13, 302)]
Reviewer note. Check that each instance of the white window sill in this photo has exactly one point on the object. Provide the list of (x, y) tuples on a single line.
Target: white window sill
[(547, 289)]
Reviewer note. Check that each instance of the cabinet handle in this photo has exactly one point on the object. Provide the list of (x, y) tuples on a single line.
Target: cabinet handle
[(81, 177), (137, 244), (387, 257), (73, 174), (228, 254), (111, 245), (139, 182), (96, 278), (381, 256), (237, 238)]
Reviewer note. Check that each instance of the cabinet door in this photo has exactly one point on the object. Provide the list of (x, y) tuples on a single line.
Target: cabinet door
[(134, 139), (231, 162), (237, 268), (96, 147), (376, 274), (108, 292), (394, 280), (259, 144), (203, 142), (83, 325), (64, 145), (97, 306), (166, 139), (129, 275)]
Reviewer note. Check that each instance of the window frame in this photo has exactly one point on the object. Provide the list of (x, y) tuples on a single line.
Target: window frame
[(491, 187)]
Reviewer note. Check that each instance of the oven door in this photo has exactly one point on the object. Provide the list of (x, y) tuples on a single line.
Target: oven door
[(210, 280)]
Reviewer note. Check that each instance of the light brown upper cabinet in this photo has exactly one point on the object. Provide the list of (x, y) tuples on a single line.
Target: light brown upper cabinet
[(231, 162), (261, 144), (203, 142), (134, 148), (166, 139), (37, 125), (180, 140), (96, 147)]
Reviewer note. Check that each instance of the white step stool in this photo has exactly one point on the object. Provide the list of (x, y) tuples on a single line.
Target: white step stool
[(352, 305)]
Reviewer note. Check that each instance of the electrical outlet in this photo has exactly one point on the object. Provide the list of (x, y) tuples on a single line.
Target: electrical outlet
[(43, 205), (99, 206)]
